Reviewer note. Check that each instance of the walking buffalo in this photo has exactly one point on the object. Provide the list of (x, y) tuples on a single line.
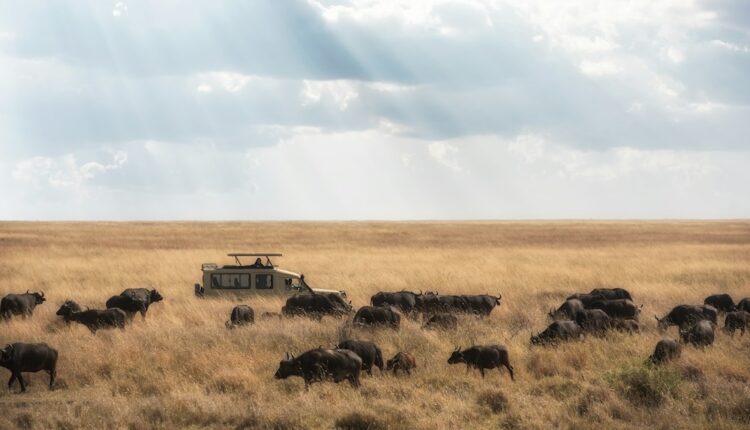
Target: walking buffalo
[(482, 357), (129, 305), (618, 308), (404, 301), (699, 334), (593, 321), (28, 357), (20, 304), (612, 293), (322, 364), (586, 299), (367, 351), (68, 307), (666, 350), (241, 315), (722, 302), (482, 304), (744, 305), (737, 320), (94, 319), (558, 331), (377, 316), (442, 321), (403, 361), (682, 315), (315, 305), (568, 310), (143, 294)]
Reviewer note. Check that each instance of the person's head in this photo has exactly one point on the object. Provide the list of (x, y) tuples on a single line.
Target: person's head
[(258, 261)]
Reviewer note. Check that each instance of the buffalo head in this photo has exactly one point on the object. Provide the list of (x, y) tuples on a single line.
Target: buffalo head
[(68, 308), (662, 324), (5, 354), (288, 367), (456, 356), (155, 296), (39, 297)]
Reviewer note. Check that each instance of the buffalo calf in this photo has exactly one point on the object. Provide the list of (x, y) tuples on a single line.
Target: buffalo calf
[(241, 315), (666, 350), (737, 320), (700, 334), (556, 332), (402, 361)]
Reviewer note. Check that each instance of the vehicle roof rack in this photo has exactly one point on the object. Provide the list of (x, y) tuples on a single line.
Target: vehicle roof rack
[(254, 254)]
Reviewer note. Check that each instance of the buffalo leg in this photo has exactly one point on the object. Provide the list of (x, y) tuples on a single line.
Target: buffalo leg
[(510, 370), (52, 375), (481, 370), (408, 372), (395, 371), (12, 380), (20, 380)]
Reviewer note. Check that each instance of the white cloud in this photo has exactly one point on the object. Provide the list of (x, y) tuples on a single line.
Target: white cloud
[(530, 147), (445, 154), (64, 171), (598, 68), (204, 88), (339, 92), (120, 9)]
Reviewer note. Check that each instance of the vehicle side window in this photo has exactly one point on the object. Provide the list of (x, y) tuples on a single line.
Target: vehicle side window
[(230, 281), (215, 281), (263, 282)]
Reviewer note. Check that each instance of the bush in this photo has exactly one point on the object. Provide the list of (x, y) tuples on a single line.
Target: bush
[(646, 386), (359, 421), (493, 400)]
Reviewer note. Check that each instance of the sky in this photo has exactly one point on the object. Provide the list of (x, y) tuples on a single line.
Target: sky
[(420, 109)]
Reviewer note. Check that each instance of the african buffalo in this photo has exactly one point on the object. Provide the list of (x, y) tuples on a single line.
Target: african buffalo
[(20, 304), (628, 326), (314, 306), (128, 304), (403, 361), (593, 321), (94, 319), (28, 357), (666, 350), (482, 357), (482, 304), (618, 308), (558, 331), (736, 320), (568, 310), (586, 299), (612, 293), (322, 364), (377, 316), (722, 302), (241, 315), (699, 334), (744, 305), (367, 351), (144, 294), (68, 307), (435, 303), (442, 321), (404, 301), (681, 315)]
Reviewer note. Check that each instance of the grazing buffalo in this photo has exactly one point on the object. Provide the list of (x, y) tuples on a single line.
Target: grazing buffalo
[(403, 361), (587, 299), (558, 331), (618, 308), (315, 305), (94, 319), (143, 294), (744, 304), (482, 304), (404, 301), (68, 307), (129, 305), (28, 357), (627, 326), (682, 315), (699, 334), (612, 293), (435, 303), (722, 302), (20, 304), (377, 316), (567, 311), (322, 364), (666, 350), (367, 351), (482, 357), (736, 320), (442, 321), (241, 315), (593, 321)]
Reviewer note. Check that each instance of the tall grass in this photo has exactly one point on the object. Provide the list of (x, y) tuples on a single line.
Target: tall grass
[(181, 368)]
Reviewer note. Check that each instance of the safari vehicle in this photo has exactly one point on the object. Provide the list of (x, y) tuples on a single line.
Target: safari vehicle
[(261, 277)]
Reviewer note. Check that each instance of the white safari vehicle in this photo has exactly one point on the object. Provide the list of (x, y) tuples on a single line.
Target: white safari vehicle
[(262, 277)]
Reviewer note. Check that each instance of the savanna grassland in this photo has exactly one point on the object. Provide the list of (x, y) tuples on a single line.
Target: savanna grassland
[(181, 368)]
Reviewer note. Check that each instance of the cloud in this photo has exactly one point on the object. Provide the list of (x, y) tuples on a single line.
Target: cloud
[(64, 171), (445, 154)]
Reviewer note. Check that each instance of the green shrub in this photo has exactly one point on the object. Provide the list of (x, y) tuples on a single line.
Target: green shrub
[(646, 386)]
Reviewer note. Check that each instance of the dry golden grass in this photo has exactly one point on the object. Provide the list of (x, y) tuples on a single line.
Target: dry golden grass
[(182, 369)]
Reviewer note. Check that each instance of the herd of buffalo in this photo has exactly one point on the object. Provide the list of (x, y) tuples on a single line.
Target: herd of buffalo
[(594, 313)]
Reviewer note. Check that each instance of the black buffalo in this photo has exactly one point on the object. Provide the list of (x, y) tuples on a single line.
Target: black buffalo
[(482, 304), (567, 310), (403, 361), (68, 307), (442, 321), (28, 357), (144, 294), (612, 293), (482, 357), (699, 334), (322, 364), (315, 305), (241, 315), (586, 298), (744, 305), (666, 350), (404, 301), (431, 303), (628, 326), (94, 319), (558, 331), (377, 316), (593, 321), (618, 308), (737, 320), (370, 354), (722, 302), (682, 315), (129, 305), (20, 304)]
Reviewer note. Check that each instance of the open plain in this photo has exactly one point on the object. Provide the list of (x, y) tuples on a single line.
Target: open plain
[(181, 368)]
